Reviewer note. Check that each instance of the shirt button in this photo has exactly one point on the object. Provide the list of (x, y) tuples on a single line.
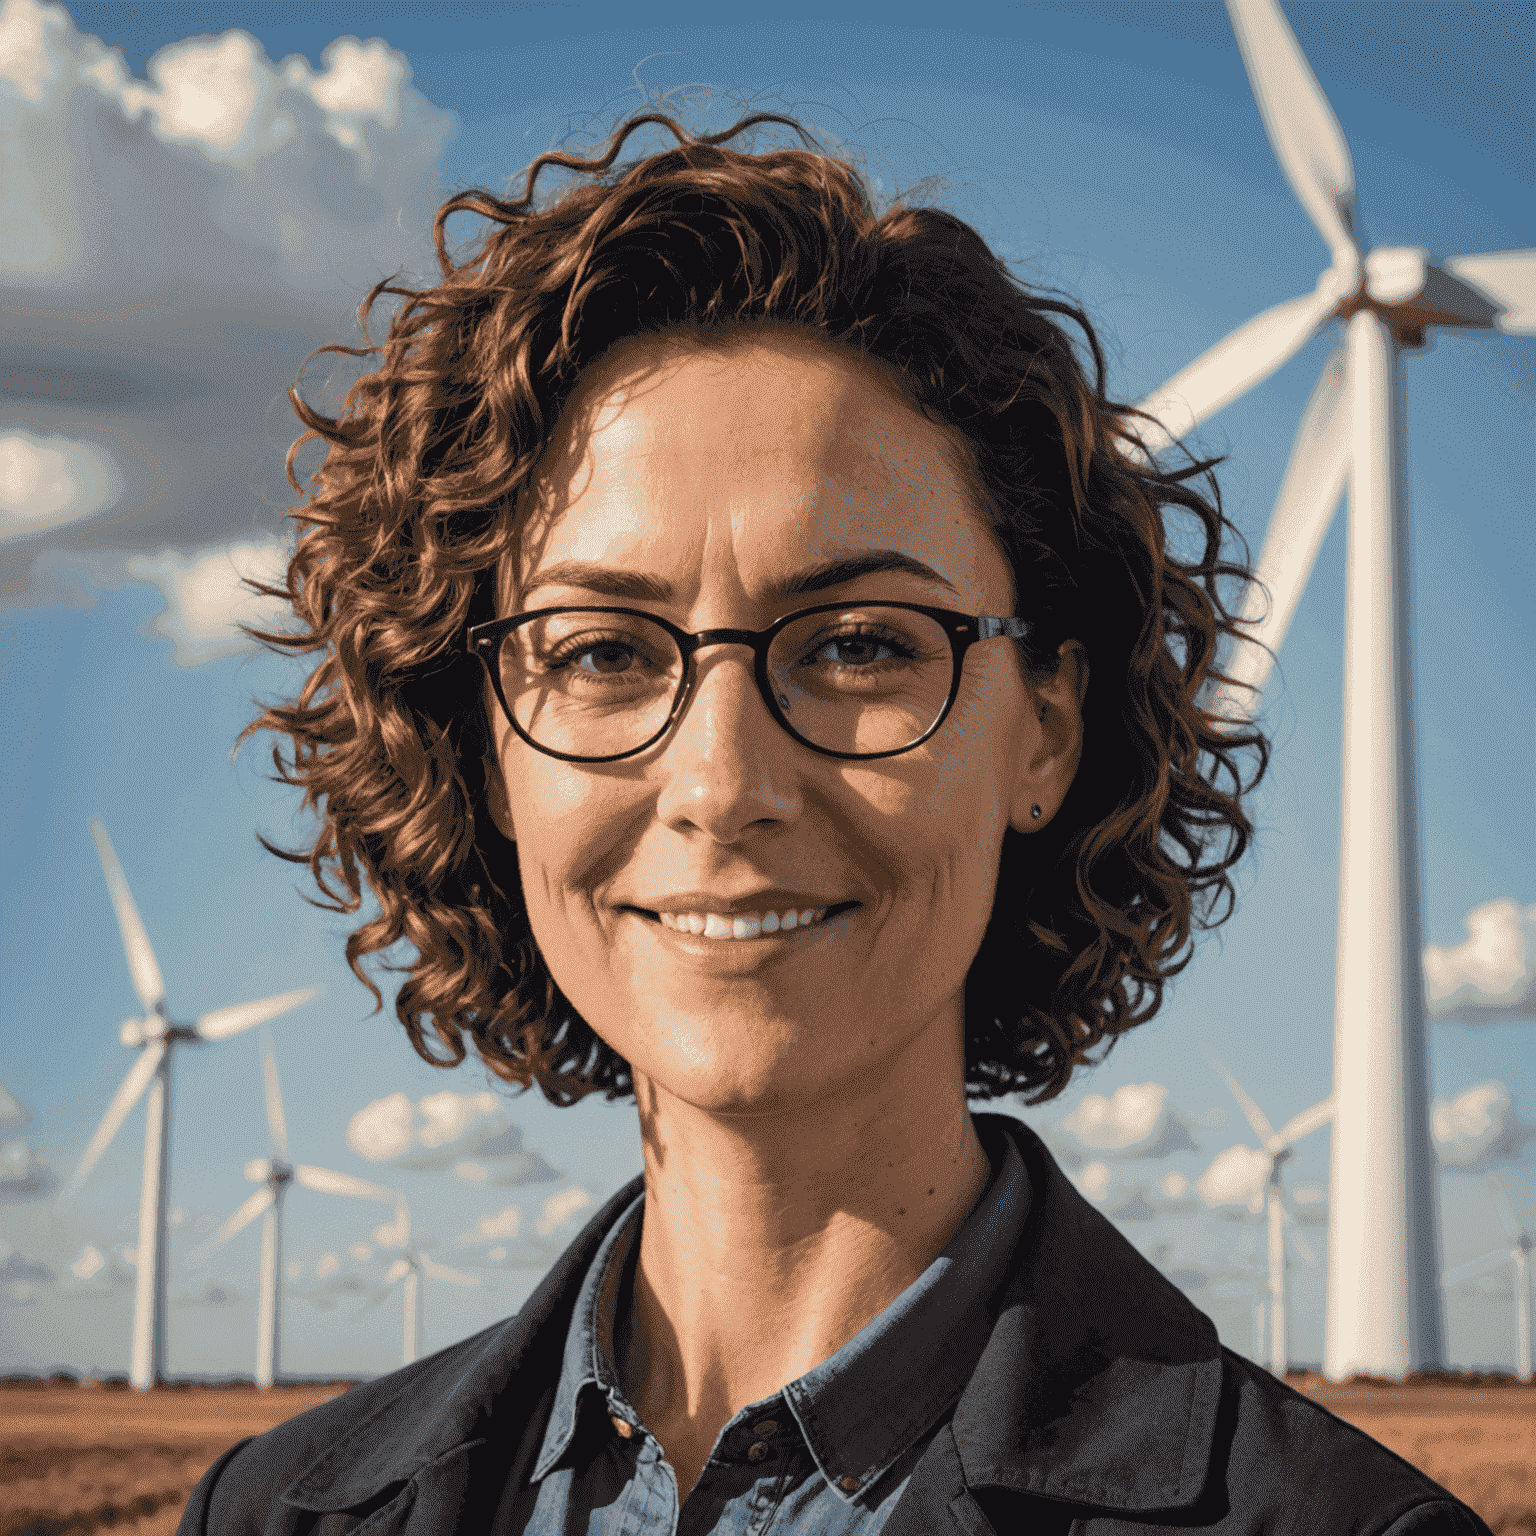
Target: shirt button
[(624, 1427), (757, 1452), (848, 1484), (767, 1427)]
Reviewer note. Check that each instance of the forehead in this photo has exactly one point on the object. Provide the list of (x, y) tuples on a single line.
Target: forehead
[(744, 459)]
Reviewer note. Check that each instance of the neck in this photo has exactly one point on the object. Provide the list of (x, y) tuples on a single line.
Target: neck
[(771, 1240)]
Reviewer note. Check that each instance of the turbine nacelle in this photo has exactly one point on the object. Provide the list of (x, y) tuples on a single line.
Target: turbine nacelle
[(269, 1170)]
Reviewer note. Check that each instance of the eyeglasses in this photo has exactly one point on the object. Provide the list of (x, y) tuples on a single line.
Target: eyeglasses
[(852, 680)]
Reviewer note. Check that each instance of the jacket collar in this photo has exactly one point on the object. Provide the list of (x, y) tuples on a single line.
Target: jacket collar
[(1098, 1386), (463, 1394), (1101, 1381)]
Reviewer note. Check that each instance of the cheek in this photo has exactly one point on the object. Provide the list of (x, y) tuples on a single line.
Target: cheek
[(573, 828)]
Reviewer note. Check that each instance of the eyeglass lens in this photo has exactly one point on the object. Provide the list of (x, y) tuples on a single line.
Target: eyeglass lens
[(863, 679)]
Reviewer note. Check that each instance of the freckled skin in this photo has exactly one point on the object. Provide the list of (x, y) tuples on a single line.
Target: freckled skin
[(796, 1097)]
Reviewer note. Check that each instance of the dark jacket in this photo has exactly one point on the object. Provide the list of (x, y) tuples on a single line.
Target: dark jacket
[(1103, 1405)]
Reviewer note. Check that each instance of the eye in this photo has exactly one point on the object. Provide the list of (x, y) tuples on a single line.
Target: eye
[(860, 648), (607, 656)]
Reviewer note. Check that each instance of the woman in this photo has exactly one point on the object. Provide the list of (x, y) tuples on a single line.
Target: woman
[(757, 677)]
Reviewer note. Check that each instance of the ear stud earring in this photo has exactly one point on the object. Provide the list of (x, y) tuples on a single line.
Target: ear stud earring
[(1034, 813)]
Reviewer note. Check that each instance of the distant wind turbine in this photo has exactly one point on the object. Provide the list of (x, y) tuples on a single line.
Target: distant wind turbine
[(410, 1267), (1278, 1145), (276, 1173), (156, 1035), (1383, 1313), (1521, 1241)]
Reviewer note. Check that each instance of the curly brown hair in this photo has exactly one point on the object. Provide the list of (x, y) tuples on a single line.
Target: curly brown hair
[(412, 512)]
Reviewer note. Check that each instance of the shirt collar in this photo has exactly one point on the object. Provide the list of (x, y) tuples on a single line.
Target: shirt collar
[(865, 1405), (588, 1357)]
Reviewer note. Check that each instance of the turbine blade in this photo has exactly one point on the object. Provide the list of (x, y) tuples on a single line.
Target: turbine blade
[(244, 1214), (1309, 495), (1475, 1266), (442, 1272), (1251, 1111), (142, 965), (397, 1271), (224, 1022), (1505, 278), (127, 1095), (329, 1183), (379, 1295), (1306, 1122), (277, 1126), (1505, 1209), (1300, 122), (1234, 365)]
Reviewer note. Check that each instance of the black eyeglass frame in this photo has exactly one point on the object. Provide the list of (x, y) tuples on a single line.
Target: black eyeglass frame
[(964, 631)]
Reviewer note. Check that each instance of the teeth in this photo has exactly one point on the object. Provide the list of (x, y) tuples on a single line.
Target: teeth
[(712, 925)]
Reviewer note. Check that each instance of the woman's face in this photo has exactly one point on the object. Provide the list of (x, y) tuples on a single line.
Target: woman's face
[(705, 485)]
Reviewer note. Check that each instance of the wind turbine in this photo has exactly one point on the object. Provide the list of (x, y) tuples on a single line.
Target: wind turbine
[(410, 1267), (1383, 1299), (1521, 1242), (276, 1173), (1278, 1145), (156, 1035)]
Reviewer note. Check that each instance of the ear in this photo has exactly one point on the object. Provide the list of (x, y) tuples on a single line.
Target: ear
[(1052, 744)]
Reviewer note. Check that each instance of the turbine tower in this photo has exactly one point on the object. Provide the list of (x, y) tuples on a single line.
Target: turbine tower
[(276, 1173), (410, 1267), (1383, 1268), (1278, 1145), (1521, 1242), (156, 1035)]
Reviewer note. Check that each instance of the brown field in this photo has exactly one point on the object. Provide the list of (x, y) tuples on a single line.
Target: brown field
[(79, 1459)]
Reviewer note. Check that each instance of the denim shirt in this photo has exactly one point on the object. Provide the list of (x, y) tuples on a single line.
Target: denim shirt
[(830, 1453)]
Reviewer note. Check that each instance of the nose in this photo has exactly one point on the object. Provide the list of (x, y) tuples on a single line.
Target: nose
[(728, 765)]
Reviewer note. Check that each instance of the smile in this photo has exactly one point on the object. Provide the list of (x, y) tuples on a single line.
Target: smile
[(738, 926), (712, 925)]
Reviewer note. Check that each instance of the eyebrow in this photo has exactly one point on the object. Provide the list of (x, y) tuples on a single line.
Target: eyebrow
[(634, 586)]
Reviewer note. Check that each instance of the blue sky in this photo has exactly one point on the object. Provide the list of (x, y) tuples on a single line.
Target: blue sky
[(1115, 151)]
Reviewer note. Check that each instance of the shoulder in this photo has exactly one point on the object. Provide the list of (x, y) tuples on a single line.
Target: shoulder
[(365, 1436), (1278, 1450)]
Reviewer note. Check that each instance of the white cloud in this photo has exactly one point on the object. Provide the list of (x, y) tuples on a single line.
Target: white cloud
[(179, 244), (1134, 1121), (88, 1262), (23, 1175), (46, 482), (559, 1209), (12, 1110), (1173, 1186), (381, 1130), (1236, 1176), (1491, 974), (392, 1234), (361, 1252), (23, 1280), (326, 1266), (506, 1222), (444, 1117), (207, 599), (496, 1254), (1478, 1127), (468, 1133), (295, 1269), (1093, 1180)]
